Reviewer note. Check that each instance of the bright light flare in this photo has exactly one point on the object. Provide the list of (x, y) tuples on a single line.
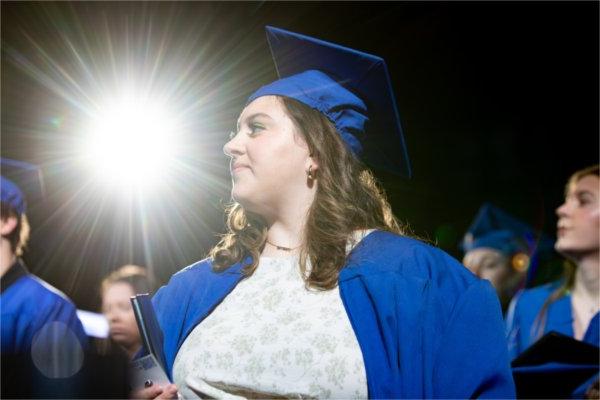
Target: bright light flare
[(131, 142)]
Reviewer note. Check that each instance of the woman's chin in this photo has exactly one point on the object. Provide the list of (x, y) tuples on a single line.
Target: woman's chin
[(237, 197), (571, 251), (242, 196), (122, 339)]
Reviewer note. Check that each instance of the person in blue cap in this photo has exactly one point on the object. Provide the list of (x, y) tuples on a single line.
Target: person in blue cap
[(37, 320), (571, 305), (500, 248), (316, 291)]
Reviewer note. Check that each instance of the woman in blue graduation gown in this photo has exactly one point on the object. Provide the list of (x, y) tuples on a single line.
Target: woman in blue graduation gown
[(382, 315), (569, 306)]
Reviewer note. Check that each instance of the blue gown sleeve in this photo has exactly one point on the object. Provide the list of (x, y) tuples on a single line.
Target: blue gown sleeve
[(43, 328), (67, 314), (472, 356), (30, 309), (513, 328)]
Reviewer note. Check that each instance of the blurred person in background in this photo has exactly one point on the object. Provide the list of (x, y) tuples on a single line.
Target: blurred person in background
[(571, 305), (116, 291), (42, 340), (502, 249), (32, 311)]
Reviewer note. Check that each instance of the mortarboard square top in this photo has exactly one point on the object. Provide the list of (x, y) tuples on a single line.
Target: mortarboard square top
[(19, 177), (351, 88), (495, 228)]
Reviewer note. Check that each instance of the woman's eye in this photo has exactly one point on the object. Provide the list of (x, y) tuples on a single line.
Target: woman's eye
[(491, 265), (255, 128), (583, 202)]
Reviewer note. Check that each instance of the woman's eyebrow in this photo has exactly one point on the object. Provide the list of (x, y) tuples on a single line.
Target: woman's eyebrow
[(584, 192), (251, 117)]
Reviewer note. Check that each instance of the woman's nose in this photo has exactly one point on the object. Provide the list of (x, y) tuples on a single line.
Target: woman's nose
[(111, 316), (233, 147), (561, 211)]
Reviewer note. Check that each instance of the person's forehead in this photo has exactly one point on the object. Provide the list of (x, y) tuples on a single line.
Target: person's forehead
[(270, 106), (484, 252), (118, 289), (589, 183)]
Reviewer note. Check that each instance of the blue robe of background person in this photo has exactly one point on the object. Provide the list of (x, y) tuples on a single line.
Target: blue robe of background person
[(524, 309), (27, 304), (569, 306), (427, 327), (521, 331)]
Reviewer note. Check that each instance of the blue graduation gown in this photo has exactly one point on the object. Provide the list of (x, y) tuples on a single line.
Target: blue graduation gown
[(524, 309), (27, 304), (520, 320), (426, 326)]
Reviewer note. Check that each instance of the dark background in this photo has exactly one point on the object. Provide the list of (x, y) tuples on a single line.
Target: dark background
[(499, 103)]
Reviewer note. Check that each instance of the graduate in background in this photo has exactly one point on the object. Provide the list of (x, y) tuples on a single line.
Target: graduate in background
[(569, 306), (316, 291), (502, 249), (36, 318), (116, 291)]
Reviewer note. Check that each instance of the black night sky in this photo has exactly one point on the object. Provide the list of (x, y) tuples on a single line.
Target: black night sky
[(498, 100)]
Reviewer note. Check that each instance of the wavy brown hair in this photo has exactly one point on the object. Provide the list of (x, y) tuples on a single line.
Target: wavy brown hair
[(347, 198), (569, 267)]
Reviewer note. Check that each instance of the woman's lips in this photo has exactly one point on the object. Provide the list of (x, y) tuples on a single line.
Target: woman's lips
[(118, 331), (237, 168)]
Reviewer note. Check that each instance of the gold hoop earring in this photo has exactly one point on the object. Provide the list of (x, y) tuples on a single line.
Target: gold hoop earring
[(309, 173)]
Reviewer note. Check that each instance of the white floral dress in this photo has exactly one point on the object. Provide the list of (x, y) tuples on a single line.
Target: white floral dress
[(271, 336)]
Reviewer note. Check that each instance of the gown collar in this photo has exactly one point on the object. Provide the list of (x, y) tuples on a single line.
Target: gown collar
[(16, 271)]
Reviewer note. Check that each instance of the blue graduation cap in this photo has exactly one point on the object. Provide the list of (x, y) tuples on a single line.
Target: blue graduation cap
[(349, 87), (496, 229), (18, 178)]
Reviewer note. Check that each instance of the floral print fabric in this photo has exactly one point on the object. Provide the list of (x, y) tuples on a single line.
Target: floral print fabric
[(272, 336)]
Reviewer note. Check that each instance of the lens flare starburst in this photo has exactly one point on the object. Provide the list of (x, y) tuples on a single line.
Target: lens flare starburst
[(130, 142)]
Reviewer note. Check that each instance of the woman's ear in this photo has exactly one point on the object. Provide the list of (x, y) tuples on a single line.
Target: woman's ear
[(312, 163), (8, 224)]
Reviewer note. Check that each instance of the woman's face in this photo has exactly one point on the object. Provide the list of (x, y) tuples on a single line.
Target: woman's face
[(116, 307), (269, 158), (579, 218), (488, 263)]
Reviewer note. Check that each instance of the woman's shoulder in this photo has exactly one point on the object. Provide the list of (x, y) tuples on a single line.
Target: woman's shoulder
[(522, 313), (46, 295), (388, 264), (536, 295), (182, 280), (387, 243), (198, 275), (199, 267), (382, 251)]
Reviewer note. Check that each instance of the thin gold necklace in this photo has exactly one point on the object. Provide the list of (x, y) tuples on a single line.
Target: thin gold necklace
[(282, 247)]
